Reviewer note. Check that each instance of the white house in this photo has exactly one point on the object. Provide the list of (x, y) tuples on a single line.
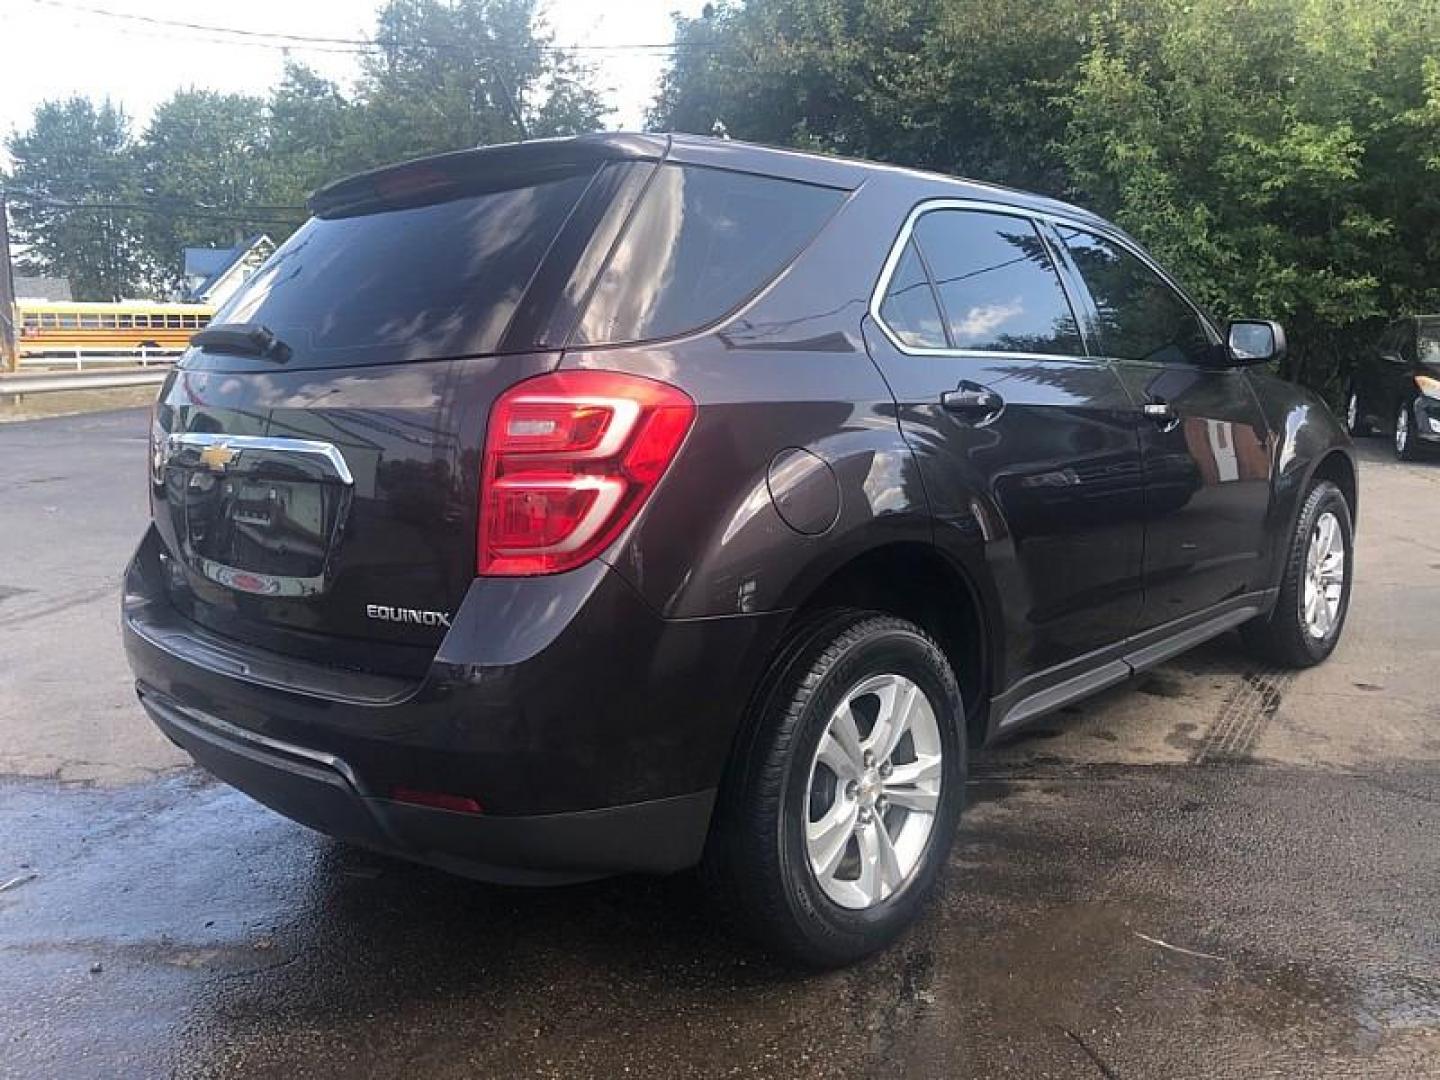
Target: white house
[(212, 275)]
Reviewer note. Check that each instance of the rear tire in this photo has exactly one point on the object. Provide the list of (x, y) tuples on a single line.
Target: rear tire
[(1355, 421), (1305, 625), (802, 811)]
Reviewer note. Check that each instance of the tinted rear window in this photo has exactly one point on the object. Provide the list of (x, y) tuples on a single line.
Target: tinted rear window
[(428, 281), (701, 243)]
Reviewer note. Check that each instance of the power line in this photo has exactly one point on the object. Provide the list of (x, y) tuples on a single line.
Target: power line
[(162, 204), (168, 211), (158, 203), (153, 29), (320, 43), (178, 24)]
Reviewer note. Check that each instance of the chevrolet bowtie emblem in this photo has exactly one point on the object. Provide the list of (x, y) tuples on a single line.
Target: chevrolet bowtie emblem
[(217, 456)]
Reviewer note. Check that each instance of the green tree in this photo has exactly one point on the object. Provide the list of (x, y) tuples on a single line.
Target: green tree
[(206, 174), (1278, 153), (961, 86), (452, 75), (312, 136), (74, 156)]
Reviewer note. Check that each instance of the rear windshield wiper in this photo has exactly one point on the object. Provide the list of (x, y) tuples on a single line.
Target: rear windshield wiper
[(244, 338)]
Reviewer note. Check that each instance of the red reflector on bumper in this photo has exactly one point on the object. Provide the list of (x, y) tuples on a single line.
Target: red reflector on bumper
[(437, 800)]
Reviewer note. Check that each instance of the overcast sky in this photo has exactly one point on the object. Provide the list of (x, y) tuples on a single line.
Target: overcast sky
[(57, 49)]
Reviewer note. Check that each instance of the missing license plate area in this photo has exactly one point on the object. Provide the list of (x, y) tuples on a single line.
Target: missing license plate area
[(257, 514), (270, 527)]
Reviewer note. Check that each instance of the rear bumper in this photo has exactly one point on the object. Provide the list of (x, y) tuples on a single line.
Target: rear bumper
[(323, 792), (593, 737)]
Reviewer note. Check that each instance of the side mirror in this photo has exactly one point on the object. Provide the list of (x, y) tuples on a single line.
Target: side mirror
[(1255, 341), (1393, 358)]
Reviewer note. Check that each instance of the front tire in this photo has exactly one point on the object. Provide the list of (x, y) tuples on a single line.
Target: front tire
[(842, 803), (1309, 615)]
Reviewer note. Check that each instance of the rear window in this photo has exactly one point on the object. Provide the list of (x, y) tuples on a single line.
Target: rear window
[(421, 282), (701, 243)]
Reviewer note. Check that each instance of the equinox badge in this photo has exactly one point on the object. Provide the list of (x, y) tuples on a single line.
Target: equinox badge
[(407, 615)]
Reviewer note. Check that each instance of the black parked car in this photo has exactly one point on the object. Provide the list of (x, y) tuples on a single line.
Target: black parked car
[(628, 503), (1395, 387)]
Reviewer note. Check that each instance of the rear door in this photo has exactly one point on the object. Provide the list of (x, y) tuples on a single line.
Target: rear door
[(1027, 445), (1204, 441), (1378, 375), (322, 499), (1395, 368)]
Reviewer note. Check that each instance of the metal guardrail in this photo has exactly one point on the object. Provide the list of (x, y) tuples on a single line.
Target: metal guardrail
[(78, 358), (55, 382)]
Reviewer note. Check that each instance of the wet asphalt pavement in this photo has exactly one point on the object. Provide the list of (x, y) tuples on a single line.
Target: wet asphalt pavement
[(1217, 870)]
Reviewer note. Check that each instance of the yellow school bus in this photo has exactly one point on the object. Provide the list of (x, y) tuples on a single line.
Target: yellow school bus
[(62, 327)]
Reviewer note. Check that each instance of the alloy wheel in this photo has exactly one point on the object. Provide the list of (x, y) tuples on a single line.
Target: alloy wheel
[(1352, 412), (1402, 430), (1324, 576), (873, 791)]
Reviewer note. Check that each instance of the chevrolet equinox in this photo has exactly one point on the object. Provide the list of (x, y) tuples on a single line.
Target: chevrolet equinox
[(637, 502)]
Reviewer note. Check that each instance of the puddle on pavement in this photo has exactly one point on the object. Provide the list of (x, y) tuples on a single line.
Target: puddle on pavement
[(230, 942)]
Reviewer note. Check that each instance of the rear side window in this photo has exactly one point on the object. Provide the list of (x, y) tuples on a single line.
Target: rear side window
[(997, 286), (910, 309), (1141, 316), (419, 282), (1428, 341), (701, 242)]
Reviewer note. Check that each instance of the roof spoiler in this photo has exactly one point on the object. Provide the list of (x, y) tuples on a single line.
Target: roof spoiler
[(489, 168)]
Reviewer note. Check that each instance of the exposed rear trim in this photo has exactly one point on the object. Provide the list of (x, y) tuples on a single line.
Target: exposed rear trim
[(173, 717)]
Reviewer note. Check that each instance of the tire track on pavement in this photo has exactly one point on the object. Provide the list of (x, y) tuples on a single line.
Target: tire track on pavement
[(1244, 716)]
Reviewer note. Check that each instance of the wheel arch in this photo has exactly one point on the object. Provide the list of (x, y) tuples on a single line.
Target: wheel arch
[(1338, 467), (915, 580), (1309, 443)]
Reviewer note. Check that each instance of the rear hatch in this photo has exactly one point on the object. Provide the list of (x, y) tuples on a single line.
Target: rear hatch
[(318, 495)]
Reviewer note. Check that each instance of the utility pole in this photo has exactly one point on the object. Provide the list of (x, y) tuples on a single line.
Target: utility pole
[(9, 350)]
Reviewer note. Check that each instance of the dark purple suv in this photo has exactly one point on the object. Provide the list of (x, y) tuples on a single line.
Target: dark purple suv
[(632, 503)]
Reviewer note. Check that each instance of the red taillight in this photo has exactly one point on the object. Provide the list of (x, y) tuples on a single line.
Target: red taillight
[(570, 458)]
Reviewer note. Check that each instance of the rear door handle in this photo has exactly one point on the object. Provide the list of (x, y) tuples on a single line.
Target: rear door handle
[(973, 402), (1160, 411)]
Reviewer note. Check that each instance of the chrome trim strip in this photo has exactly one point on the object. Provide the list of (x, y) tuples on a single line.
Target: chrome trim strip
[(201, 439), (1099, 228), (227, 730)]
